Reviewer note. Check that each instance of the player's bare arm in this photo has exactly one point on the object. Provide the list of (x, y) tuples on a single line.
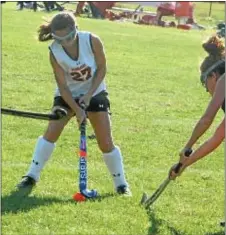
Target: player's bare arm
[(65, 92)]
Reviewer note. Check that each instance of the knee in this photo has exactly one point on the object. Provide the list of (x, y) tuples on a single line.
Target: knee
[(106, 146), (52, 133), (50, 138)]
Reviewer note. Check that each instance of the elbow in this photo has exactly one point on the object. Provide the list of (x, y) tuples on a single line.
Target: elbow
[(102, 70), (220, 132), (63, 89)]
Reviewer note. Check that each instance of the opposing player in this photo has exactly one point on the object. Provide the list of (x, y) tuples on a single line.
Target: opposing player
[(213, 78)]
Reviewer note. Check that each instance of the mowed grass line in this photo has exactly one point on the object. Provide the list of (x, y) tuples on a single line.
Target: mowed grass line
[(156, 98)]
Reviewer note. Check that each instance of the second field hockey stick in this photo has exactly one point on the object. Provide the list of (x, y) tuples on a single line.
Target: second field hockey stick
[(148, 201), (58, 114)]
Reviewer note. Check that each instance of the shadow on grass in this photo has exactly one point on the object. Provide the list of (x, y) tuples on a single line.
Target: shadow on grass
[(104, 196), (217, 233), (20, 201), (157, 223)]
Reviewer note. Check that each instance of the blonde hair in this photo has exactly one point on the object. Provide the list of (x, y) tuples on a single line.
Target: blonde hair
[(60, 21), (215, 48)]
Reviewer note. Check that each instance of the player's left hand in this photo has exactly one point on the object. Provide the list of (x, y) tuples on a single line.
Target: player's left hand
[(183, 161), (172, 174), (85, 99)]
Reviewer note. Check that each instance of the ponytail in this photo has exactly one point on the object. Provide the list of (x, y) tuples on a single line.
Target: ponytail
[(215, 60), (44, 32), (215, 47)]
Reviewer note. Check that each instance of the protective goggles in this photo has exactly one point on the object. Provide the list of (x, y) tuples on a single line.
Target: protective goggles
[(208, 72), (65, 38)]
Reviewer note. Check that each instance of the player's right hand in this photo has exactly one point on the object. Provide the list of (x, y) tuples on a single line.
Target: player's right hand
[(80, 115), (172, 172)]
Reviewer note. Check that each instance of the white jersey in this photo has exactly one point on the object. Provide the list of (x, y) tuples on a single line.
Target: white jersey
[(82, 70)]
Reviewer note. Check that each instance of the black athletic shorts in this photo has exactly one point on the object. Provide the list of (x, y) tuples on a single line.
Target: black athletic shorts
[(98, 103)]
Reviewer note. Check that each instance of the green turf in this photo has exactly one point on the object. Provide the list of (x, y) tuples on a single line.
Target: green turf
[(156, 98)]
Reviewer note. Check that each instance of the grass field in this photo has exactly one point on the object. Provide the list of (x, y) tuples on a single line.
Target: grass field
[(156, 99)]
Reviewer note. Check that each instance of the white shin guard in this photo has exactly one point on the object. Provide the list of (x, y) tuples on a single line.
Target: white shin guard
[(41, 155), (114, 163)]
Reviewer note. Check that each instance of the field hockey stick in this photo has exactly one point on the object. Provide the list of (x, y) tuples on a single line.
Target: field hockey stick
[(83, 163), (148, 201), (58, 114)]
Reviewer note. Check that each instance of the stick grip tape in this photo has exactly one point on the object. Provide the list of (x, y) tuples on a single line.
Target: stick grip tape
[(179, 165)]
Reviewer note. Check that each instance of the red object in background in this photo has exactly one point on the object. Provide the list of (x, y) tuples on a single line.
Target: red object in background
[(103, 6), (166, 9), (184, 26), (112, 16), (184, 13), (148, 19), (79, 7), (184, 9)]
